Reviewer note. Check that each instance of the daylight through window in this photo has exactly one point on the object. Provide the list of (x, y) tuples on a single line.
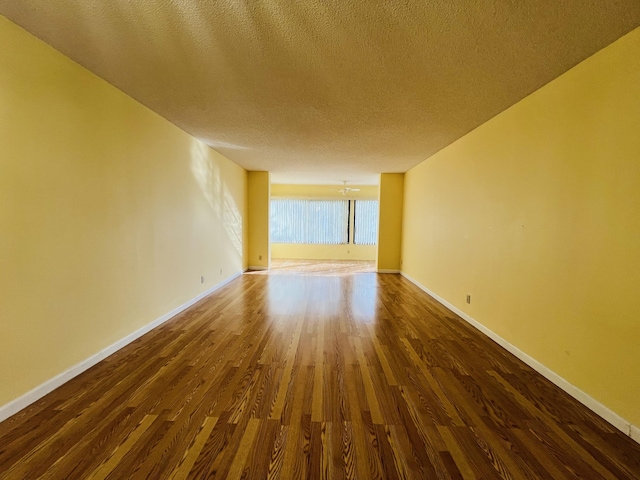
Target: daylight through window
[(310, 221), (366, 222), (327, 222)]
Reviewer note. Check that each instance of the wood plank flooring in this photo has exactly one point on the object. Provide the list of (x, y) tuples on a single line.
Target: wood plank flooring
[(308, 376), (317, 267)]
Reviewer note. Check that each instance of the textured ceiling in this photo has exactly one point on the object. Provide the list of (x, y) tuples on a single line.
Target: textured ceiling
[(323, 91)]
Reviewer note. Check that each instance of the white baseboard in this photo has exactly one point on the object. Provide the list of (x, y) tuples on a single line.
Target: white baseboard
[(257, 269), (609, 415), (386, 270), (40, 391)]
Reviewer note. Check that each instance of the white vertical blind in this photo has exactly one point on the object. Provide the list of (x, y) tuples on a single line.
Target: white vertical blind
[(309, 221), (366, 222)]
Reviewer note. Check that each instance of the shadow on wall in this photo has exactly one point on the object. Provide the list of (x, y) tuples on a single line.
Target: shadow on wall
[(207, 174)]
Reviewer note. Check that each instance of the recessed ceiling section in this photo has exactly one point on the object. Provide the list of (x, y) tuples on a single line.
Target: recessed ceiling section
[(319, 91)]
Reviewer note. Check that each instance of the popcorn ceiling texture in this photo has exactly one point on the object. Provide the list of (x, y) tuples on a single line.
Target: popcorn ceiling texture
[(323, 91)]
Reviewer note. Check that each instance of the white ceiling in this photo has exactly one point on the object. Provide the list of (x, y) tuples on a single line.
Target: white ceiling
[(324, 91)]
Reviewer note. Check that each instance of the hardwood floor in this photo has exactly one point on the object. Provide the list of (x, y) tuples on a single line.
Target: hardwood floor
[(318, 267), (307, 376)]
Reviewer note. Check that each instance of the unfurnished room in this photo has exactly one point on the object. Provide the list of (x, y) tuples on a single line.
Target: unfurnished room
[(275, 239)]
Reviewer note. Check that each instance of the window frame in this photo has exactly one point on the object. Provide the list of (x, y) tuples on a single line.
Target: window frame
[(351, 217), (354, 203)]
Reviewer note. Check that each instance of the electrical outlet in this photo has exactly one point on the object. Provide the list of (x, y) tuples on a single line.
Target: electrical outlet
[(260, 257), (468, 298), (201, 279), (220, 271)]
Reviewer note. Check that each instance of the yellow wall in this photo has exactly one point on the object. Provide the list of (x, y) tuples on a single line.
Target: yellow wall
[(258, 187), (245, 229), (109, 215), (390, 224), (536, 214), (323, 252), (327, 191)]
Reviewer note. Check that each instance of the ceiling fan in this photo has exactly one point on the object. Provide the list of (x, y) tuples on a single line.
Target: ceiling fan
[(346, 189)]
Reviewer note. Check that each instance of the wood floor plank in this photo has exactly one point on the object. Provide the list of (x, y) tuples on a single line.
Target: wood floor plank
[(313, 372), (456, 453), (208, 462), (317, 413), (244, 449), (114, 459), (369, 389), (358, 436), (278, 406), (293, 460), (584, 455), (92, 449), (193, 450), (434, 385), (276, 461), (384, 362)]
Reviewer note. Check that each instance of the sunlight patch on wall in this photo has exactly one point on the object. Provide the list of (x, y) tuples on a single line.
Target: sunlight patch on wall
[(232, 220), (207, 174)]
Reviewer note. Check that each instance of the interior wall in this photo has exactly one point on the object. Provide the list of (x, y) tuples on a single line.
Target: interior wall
[(259, 193), (323, 252), (109, 214), (324, 191), (390, 228), (535, 215)]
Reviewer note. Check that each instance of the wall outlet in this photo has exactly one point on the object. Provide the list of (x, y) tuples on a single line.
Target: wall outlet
[(468, 298), (220, 271), (260, 257), (201, 279)]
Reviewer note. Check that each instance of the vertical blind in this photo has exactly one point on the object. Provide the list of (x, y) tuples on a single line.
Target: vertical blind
[(366, 222), (309, 221)]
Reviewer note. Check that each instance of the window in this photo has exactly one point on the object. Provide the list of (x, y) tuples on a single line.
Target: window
[(309, 221), (327, 222), (366, 222)]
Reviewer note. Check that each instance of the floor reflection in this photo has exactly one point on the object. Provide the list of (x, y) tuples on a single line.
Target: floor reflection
[(322, 289)]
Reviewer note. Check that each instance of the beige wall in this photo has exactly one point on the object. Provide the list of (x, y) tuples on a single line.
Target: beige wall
[(323, 252), (259, 194), (109, 215), (326, 191), (390, 227), (536, 214)]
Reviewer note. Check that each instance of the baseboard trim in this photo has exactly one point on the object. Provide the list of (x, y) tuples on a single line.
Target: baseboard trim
[(257, 269), (387, 270), (609, 415), (40, 391)]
